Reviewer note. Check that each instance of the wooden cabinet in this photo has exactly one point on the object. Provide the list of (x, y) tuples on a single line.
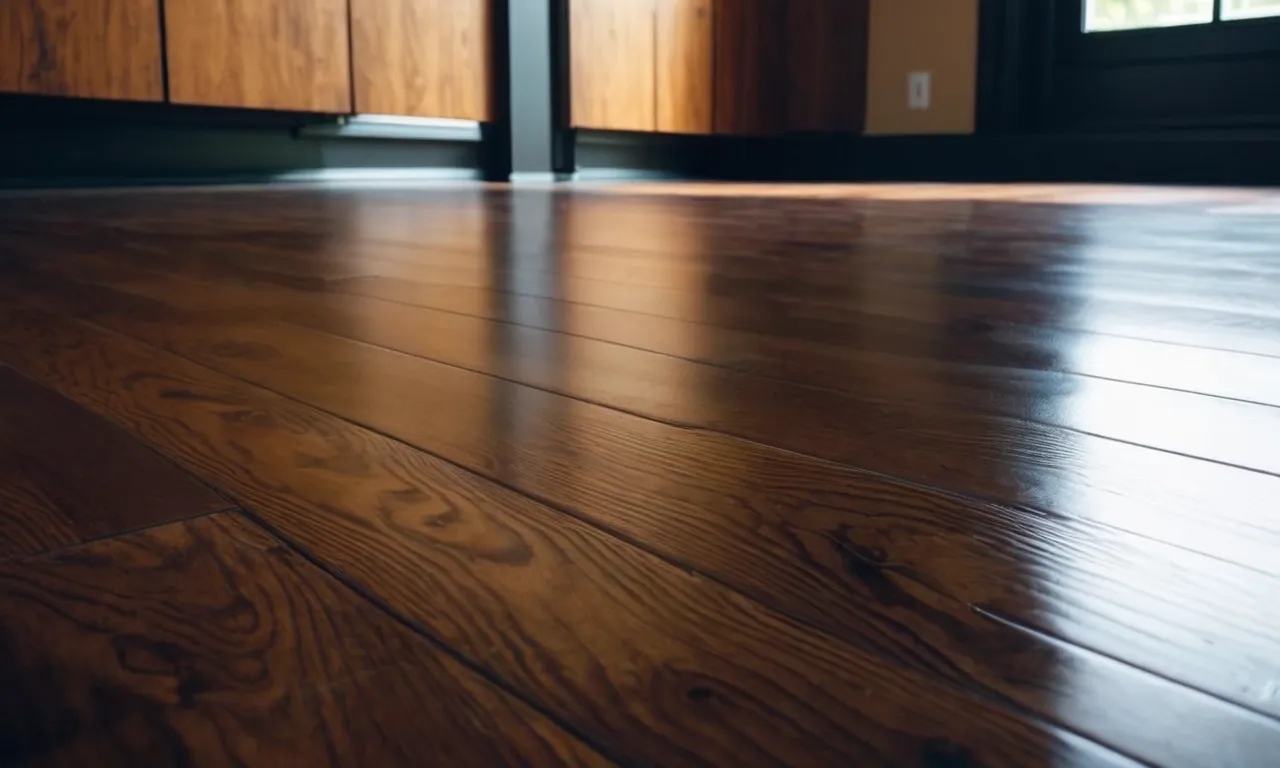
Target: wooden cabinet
[(751, 66), (101, 49), (685, 61), (424, 58), (827, 65), (612, 64), (704, 66), (261, 54)]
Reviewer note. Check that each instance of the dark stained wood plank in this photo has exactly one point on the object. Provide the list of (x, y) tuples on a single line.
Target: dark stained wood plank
[(612, 65), (922, 427), (67, 476), (99, 49), (653, 662), (209, 643), (895, 569), (1006, 350), (261, 54), (1159, 295), (685, 66), (1005, 369), (809, 350), (974, 319), (424, 58)]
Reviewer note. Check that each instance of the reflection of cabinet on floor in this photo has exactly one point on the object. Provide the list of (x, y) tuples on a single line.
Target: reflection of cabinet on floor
[(717, 66), (100, 49)]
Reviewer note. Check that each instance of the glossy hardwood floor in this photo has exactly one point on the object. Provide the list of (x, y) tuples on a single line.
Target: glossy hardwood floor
[(649, 475)]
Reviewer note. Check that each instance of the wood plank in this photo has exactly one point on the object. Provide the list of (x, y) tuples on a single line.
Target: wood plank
[(98, 49), (260, 54), (730, 332), (750, 66), (810, 340), (1002, 351), (1160, 295), (1004, 356), (996, 367), (647, 659), (685, 66), (424, 58), (1079, 457), (67, 476), (895, 569), (827, 58), (209, 643), (612, 57)]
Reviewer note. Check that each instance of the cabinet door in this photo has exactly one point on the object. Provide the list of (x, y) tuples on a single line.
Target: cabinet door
[(685, 65), (612, 58), (751, 66), (827, 84), (101, 49), (425, 58), (261, 54)]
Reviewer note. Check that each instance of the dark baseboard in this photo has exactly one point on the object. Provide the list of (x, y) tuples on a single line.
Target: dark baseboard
[(619, 154), (1237, 157), (1225, 157), (67, 143)]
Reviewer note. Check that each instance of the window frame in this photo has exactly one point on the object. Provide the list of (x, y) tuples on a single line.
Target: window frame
[(1218, 18), (1220, 38)]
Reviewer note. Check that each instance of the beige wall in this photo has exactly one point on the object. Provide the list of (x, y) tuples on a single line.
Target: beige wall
[(938, 36)]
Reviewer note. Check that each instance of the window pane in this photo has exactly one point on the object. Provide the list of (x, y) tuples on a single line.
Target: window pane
[(1250, 9), (1103, 15)]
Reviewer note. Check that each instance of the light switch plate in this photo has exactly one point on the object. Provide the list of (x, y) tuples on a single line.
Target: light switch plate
[(919, 90)]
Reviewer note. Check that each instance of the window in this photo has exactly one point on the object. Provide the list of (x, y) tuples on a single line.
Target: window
[(1111, 15), (1249, 9), (1106, 15)]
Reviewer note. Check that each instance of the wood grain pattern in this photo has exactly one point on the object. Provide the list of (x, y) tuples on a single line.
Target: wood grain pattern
[(827, 65), (648, 660), (424, 58), (1147, 290), (67, 476), (100, 49), (685, 66), (1005, 356), (1107, 477), (787, 535), (612, 59), (209, 643), (260, 54), (516, 418), (750, 66)]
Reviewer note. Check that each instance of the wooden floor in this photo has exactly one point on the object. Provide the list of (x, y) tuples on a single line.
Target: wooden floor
[(656, 475)]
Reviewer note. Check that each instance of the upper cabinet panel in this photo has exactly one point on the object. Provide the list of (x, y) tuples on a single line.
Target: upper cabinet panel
[(100, 49), (612, 56), (827, 53), (685, 61), (751, 66), (423, 58), (260, 54)]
